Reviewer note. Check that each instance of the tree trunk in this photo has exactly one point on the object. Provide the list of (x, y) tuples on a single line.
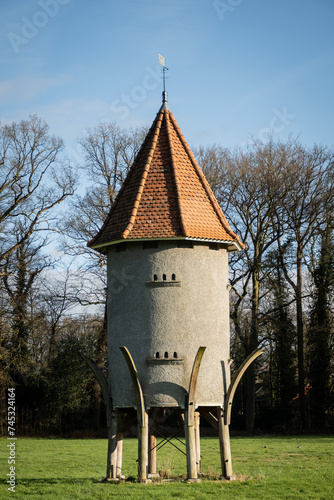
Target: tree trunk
[(320, 332), (100, 360), (300, 341), (252, 344)]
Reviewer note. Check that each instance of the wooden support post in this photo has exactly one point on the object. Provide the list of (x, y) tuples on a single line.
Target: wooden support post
[(112, 419), (112, 448), (142, 417), (119, 437), (119, 454), (197, 441), (189, 424), (152, 451), (225, 447), (190, 449), (143, 448)]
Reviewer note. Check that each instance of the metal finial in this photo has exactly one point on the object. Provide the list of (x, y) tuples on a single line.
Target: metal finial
[(164, 69)]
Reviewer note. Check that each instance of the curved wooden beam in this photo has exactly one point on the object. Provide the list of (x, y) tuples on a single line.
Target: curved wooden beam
[(189, 420), (142, 418), (193, 383), (136, 385), (103, 384), (111, 419), (235, 381)]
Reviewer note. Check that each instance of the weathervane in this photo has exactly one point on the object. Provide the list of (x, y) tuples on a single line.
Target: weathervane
[(164, 93)]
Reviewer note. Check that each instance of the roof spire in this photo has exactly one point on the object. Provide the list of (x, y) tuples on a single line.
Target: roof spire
[(164, 93), (165, 195)]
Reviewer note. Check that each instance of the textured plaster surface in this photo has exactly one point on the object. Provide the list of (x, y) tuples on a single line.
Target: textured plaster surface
[(149, 320)]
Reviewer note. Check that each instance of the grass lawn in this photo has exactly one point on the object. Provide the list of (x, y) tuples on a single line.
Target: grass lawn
[(266, 468)]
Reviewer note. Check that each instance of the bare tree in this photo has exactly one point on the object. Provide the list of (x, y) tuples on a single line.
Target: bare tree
[(109, 152), (33, 181), (21, 271), (303, 213), (248, 192), (275, 195), (320, 334), (54, 304)]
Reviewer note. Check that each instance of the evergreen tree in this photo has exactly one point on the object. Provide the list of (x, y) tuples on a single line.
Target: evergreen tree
[(320, 333), (284, 385), (21, 270)]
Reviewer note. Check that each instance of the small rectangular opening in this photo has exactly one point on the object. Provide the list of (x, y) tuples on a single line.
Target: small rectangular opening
[(185, 244), (121, 247), (150, 244)]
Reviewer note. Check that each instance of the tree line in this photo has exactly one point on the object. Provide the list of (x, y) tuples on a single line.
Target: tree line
[(277, 196)]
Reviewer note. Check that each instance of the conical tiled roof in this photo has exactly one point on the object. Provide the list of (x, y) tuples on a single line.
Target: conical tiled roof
[(165, 195)]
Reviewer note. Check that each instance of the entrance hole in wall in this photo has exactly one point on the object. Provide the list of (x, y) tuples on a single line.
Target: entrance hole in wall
[(150, 244), (185, 244), (166, 354), (120, 247)]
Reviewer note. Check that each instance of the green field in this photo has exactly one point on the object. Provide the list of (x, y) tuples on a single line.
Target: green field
[(266, 468)]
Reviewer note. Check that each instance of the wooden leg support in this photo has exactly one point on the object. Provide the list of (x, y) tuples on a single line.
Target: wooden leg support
[(225, 447), (197, 441), (189, 420), (143, 448), (119, 455), (142, 417), (112, 449), (112, 419), (190, 449), (152, 452)]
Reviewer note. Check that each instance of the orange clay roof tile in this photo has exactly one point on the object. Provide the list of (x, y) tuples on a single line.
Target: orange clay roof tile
[(165, 194)]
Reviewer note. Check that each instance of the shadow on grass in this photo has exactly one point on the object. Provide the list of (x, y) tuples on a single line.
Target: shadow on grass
[(206, 478), (67, 480)]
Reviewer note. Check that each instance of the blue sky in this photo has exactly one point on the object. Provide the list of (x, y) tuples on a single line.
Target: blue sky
[(237, 68)]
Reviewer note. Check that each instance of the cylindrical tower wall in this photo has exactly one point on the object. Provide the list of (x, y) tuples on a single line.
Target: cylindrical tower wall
[(163, 304)]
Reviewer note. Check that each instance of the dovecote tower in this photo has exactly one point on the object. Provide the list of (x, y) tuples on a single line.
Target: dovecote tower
[(167, 243)]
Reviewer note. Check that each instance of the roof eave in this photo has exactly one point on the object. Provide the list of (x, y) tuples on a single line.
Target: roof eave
[(232, 246)]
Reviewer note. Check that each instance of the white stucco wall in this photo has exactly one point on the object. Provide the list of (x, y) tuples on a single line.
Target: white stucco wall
[(174, 317)]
